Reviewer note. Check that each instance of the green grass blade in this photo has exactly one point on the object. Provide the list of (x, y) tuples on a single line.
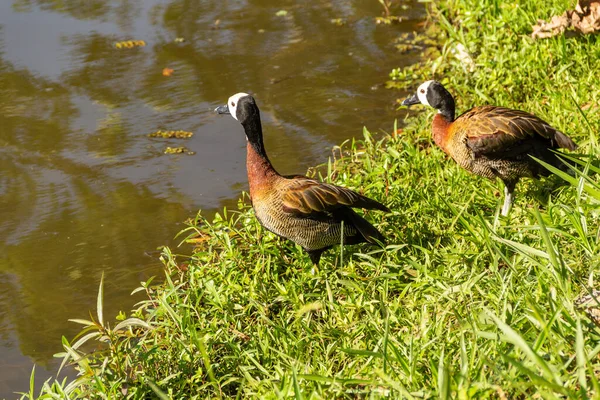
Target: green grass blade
[(297, 390), (513, 337), (100, 301), (157, 391), (581, 357), (443, 379), (32, 383), (538, 380)]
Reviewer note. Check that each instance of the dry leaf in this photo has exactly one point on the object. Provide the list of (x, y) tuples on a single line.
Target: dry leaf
[(397, 132), (584, 19), (589, 303), (167, 71)]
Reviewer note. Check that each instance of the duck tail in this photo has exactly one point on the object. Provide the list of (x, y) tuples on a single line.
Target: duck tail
[(563, 141), (369, 204), (364, 227)]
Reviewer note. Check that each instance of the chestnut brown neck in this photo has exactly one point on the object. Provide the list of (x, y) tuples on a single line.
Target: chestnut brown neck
[(441, 130), (260, 170)]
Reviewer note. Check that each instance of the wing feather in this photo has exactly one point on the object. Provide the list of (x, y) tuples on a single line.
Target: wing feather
[(492, 131), (305, 196)]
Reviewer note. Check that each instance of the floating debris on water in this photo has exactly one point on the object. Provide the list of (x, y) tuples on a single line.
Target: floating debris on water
[(167, 71), (338, 21), (281, 13), (179, 150), (392, 19), (129, 44), (172, 134), (175, 150)]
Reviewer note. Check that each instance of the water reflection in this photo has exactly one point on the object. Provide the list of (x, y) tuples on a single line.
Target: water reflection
[(83, 190)]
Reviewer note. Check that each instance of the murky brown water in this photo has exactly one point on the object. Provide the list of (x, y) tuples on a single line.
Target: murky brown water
[(84, 191)]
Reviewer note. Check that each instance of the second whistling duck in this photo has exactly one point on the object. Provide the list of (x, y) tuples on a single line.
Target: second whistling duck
[(303, 210), (490, 141)]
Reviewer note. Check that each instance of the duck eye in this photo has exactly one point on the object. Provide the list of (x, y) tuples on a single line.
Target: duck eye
[(232, 104), (422, 90)]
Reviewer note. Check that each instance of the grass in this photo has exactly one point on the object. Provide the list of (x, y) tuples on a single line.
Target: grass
[(461, 304)]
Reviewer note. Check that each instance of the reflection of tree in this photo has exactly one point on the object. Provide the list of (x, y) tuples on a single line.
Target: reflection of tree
[(62, 222), (107, 233), (105, 74), (109, 78), (307, 73), (34, 113), (122, 11), (214, 63)]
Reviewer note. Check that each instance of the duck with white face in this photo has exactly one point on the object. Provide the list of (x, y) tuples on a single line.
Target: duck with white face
[(491, 141), (232, 105), (313, 214), (433, 94)]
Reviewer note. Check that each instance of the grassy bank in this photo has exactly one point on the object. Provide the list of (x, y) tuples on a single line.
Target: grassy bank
[(461, 304)]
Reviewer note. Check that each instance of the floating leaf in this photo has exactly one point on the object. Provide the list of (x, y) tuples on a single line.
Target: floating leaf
[(175, 150), (388, 20), (172, 134), (167, 71), (179, 150), (129, 44), (281, 13)]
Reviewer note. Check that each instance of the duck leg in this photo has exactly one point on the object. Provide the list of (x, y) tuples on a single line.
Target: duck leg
[(315, 256), (509, 189)]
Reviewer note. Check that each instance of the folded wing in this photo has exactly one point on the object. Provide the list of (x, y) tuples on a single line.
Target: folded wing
[(307, 196), (498, 132)]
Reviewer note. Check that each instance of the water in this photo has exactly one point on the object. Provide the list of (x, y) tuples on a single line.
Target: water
[(84, 191)]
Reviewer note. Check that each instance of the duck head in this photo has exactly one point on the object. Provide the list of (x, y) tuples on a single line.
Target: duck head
[(243, 108), (433, 94), (240, 106)]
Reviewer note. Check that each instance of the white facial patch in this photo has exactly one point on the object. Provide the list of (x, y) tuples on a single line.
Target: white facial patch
[(422, 93), (233, 102)]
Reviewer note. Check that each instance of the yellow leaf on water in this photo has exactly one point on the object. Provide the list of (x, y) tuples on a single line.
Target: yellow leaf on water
[(129, 44)]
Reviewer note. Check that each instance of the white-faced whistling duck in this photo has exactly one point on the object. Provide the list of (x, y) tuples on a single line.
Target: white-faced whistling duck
[(494, 142), (303, 210)]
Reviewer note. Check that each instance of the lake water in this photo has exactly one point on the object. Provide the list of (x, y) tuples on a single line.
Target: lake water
[(85, 191)]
